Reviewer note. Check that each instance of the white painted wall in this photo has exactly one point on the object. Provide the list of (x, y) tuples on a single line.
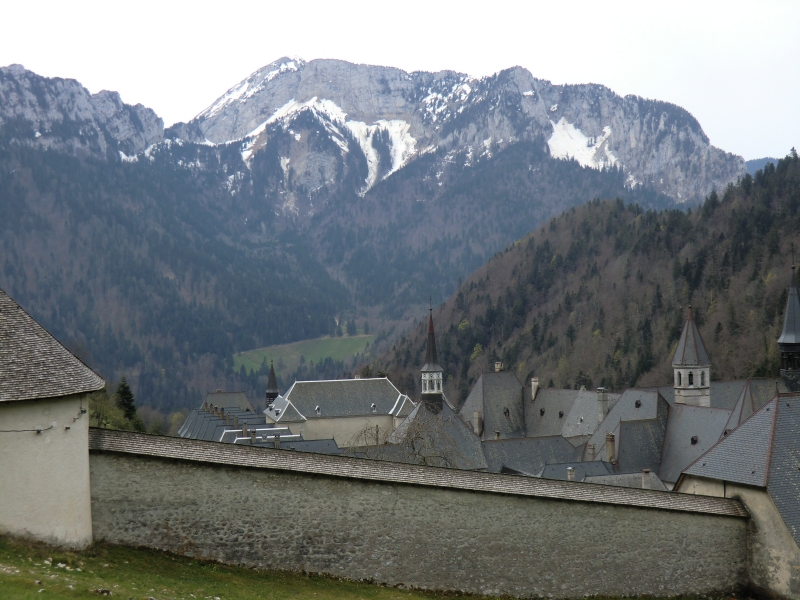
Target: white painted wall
[(347, 431), (44, 478)]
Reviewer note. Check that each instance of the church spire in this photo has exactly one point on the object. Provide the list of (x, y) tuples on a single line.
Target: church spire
[(692, 367), (789, 342), (272, 385), (432, 372)]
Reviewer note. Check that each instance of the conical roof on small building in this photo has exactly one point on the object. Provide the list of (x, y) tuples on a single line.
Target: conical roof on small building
[(33, 364), (691, 350), (791, 320), (431, 360)]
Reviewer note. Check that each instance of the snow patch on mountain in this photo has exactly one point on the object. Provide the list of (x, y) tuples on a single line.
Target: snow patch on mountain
[(567, 141)]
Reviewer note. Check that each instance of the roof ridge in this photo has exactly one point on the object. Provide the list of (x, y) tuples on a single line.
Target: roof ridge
[(777, 400)]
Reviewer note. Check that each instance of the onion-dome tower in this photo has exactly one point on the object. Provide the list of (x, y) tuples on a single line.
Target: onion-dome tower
[(692, 367)]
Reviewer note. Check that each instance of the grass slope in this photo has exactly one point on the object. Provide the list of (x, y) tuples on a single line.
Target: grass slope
[(30, 571), (337, 348)]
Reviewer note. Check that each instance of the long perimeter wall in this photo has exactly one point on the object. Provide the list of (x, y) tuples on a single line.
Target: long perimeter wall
[(419, 526)]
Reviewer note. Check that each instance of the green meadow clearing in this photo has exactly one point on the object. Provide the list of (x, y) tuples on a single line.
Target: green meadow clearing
[(34, 571), (337, 348)]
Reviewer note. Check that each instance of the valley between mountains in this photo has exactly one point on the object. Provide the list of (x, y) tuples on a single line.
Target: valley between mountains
[(314, 194)]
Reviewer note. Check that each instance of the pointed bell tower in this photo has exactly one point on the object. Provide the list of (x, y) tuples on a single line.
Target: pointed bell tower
[(272, 385), (432, 391), (692, 367), (789, 342)]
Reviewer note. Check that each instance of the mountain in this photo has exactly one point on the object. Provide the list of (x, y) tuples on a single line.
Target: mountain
[(389, 118), (758, 164), (599, 295), (308, 194)]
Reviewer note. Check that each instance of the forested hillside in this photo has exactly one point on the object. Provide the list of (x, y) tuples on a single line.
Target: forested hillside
[(599, 295)]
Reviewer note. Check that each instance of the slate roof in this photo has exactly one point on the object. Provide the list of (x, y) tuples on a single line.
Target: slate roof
[(629, 480), (684, 423), (528, 455), (33, 364), (204, 425), (339, 398), (640, 443), (492, 395), (104, 440), (791, 320), (582, 470), (554, 402), (691, 350), (582, 420), (625, 409), (431, 360), (447, 436), (228, 400), (724, 394), (281, 410), (764, 451), (743, 455)]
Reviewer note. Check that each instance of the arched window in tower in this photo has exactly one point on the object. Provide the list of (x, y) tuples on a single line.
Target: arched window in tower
[(702, 378), (438, 386), (691, 378), (679, 379)]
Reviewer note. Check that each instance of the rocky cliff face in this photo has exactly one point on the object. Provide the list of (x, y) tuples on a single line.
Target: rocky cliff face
[(61, 114), (318, 116)]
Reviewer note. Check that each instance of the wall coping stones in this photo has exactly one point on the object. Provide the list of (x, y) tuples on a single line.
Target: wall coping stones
[(126, 442)]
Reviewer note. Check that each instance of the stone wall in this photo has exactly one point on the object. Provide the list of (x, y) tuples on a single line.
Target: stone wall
[(418, 535)]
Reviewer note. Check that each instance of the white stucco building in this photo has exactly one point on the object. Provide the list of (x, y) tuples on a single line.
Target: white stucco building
[(44, 433)]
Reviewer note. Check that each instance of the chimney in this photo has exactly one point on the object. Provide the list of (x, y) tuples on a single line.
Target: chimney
[(590, 452), (645, 479), (244, 429), (570, 473), (534, 387), (215, 410), (602, 404), (222, 412), (476, 423), (498, 366), (253, 436), (277, 441), (227, 419), (610, 448), (236, 422), (205, 405)]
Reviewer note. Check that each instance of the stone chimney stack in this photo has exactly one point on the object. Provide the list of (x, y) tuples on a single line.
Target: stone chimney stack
[(590, 452), (610, 457), (570, 473), (476, 423), (534, 387), (645, 479), (602, 404)]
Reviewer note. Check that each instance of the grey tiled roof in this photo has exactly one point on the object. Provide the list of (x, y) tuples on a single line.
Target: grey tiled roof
[(33, 364), (228, 400), (344, 397), (684, 423), (447, 437), (528, 455), (493, 395), (641, 443), (791, 320), (625, 409), (582, 420), (582, 470), (743, 455), (554, 402), (784, 467), (104, 440), (629, 480), (691, 350)]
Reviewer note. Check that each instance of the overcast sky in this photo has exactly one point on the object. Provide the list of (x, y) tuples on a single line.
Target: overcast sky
[(734, 65)]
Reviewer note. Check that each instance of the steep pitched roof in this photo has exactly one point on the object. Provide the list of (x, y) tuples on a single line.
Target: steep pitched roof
[(229, 400), (743, 455), (345, 397), (431, 360), (33, 364), (691, 431), (691, 350), (498, 397), (791, 320), (783, 483), (272, 384), (556, 405)]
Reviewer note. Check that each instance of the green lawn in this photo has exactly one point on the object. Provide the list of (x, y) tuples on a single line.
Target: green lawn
[(337, 348), (37, 571)]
